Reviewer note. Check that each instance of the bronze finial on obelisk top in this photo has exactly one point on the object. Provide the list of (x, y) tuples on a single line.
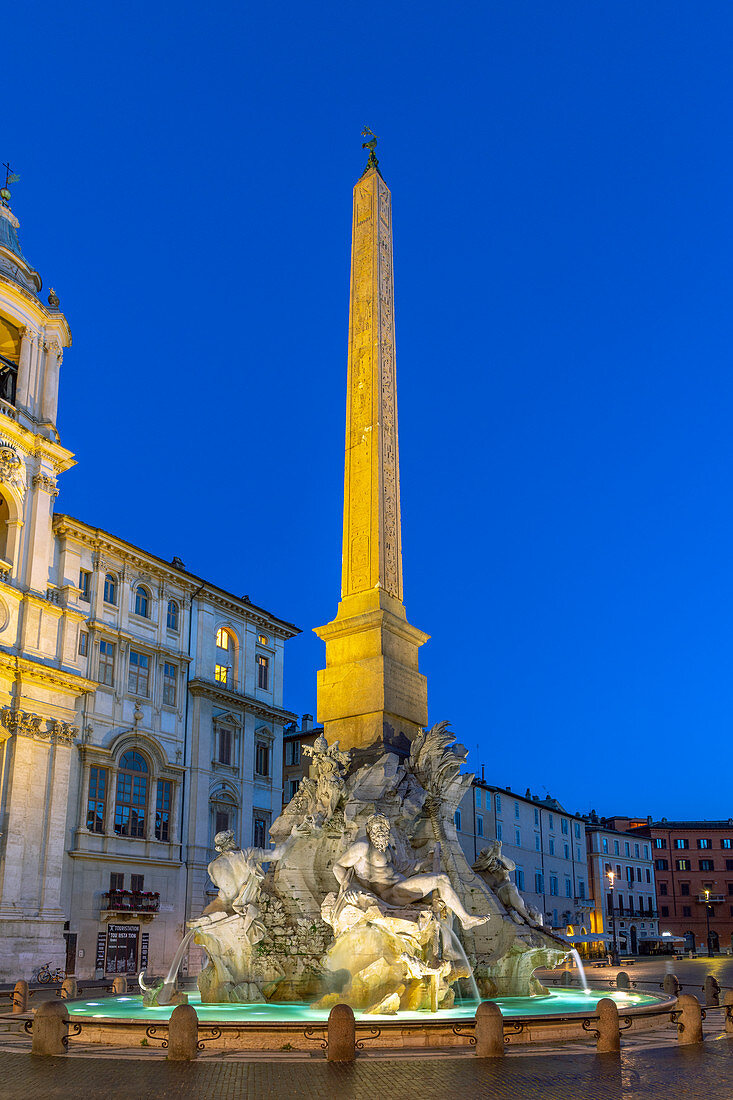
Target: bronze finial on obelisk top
[(371, 145), (371, 692)]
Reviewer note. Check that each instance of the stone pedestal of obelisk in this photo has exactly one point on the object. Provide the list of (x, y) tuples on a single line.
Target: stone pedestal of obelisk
[(371, 692)]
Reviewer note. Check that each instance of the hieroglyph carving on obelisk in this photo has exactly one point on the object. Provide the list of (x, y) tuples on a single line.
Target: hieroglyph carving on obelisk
[(372, 550)]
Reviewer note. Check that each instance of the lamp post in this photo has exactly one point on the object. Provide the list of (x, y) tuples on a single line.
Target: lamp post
[(707, 917), (614, 953)]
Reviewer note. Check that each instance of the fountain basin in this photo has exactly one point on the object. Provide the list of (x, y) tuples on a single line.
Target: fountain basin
[(123, 1021)]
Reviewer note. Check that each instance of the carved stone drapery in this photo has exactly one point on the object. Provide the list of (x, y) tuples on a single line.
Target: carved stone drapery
[(26, 724)]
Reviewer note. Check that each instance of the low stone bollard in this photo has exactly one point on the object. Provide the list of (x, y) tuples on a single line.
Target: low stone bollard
[(119, 985), (50, 1028), (609, 1035), (689, 1020), (489, 1031), (341, 1034), (69, 990), (671, 985), (183, 1034), (20, 996), (712, 992), (728, 1002), (622, 980)]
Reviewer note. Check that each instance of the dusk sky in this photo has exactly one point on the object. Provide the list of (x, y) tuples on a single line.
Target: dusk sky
[(562, 191)]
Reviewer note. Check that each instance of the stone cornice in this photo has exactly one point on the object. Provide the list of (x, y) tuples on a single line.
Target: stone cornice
[(225, 697), (35, 672), (115, 857)]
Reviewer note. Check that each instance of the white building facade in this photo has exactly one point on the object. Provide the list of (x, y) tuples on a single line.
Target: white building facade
[(631, 902), (546, 843), (141, 707)]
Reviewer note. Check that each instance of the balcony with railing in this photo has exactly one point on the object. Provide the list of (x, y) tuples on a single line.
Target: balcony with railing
[(138, 902)]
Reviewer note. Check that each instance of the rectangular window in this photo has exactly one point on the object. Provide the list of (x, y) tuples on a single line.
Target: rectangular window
[(581, 888), (536, 816), (221, 674), (664, 910), (537, 842), (663, 889), (727, 842), (553, 885), (638, 874), (552, 822), (661, 864), (704, 842), (136, 883), (260, 827), (565, 825), (116, 881), (221, 821), (519, 878), (479, 825), (707, 865), (552, 846), (578, 854), (539, 882), (518, 838), (568, 888), (729, 864), (685, 889), (630, 875), (577, 830), (457, 818), (163, 810), (487, 800), (682, 864), (566, 849), (83, 643), (497, 803), (292, 752), (636, 850), (138, 677), (659, 842), (478, 798), (85, 580), (263, 672), (627, 848), (516, 809), (605, 844), (293, 785), (616, 849), (225, 746), (730, 887), (170, 675), (262, 758), (686, 910), (97, 799), (646, 851), (106, 663), (648, 874), (679, 843), (499, 831)]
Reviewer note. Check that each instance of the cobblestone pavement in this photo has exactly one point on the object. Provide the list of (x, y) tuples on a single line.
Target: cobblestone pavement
[(655, 1074)]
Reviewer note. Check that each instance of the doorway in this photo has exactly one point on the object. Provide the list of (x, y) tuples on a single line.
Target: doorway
[(70, 953), (122, 942), (634, 940)]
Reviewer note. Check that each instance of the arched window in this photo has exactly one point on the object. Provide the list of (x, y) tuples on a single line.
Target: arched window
[(172, 617), (223, 811), (224, 660), (110, 588), (132, 795), (142, 601), (4, 517)]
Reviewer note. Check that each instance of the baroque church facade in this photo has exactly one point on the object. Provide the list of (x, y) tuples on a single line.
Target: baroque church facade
[(141, 707)]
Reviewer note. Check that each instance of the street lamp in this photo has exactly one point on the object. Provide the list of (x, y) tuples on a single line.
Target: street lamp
[(707, 917), (614, 953)]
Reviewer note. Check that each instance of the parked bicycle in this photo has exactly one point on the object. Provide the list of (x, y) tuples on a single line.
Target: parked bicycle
[(45, 975)]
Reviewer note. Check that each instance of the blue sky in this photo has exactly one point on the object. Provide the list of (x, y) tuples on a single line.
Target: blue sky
[(561, 180)]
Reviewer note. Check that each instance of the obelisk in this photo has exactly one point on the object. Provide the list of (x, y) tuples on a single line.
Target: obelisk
[(371, 693)]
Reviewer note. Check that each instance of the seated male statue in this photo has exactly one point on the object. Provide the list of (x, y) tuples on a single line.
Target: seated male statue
[(370, 864)]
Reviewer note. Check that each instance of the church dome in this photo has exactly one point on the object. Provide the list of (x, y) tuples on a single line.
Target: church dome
[(12, 261)]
